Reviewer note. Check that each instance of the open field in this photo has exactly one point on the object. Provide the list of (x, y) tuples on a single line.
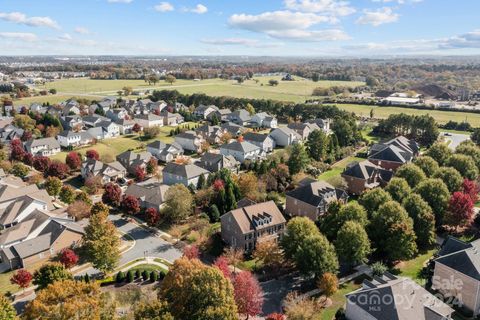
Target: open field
[(295, 91), (53, 99)]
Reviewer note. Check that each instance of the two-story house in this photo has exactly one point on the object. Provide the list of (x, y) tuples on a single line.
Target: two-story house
[(214, 162), (241, 151), (149, 120), (241, 117), (190, 141), (364, 175), (284, 137), (109, 172), (264, 141), (70, 138), (264, 120), (186, 174), (43, 146)]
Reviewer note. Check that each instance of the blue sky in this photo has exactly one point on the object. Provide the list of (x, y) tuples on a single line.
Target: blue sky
[(246, 27)]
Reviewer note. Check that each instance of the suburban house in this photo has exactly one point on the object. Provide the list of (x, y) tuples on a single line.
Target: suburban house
[(186, 174), (312, 199), (458, 262), (284, 137), (72, 123), (93, 120), (394, 153), (364, 175), (117, 114), (37, 108), (156, 147), (303, 129), (70, 138), (10, 132), (220, 114), (202, 111), (264, 141), (10, 191), (125, 126), (131, 160), (323, 124), (190, 141), (234, 129), (165, 152), (171, 119), (15, 211), (241, 151), (37, 239), (43, 146), (214, 162), (244, 227), (265, 120), (70, 107), (104, 130), (241, 117), (212, 134), (157, 107), (391, 297), (109, 172), (149, 120), (150, 195)]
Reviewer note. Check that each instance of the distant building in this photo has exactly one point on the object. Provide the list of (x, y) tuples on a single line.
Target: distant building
[(186, 174)]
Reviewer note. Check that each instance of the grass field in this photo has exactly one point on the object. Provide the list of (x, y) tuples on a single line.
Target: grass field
[(295, 91)]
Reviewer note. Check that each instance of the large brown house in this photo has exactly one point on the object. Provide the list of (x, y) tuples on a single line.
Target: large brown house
[(244, 227), (312, 200), (393, 153), (361, 176)]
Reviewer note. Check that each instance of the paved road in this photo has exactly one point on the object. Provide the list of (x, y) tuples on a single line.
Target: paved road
[(455, 139), (276, 290)]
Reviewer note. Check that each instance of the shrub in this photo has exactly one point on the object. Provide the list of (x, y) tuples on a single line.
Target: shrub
[(145, 275), (120, 277), (130, 276), (153, 276), (138, 274)]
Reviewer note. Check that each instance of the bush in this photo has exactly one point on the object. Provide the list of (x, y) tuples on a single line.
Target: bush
[(145, 275), (130, 276), (340, 314), (153, 276), (120, 277), (138, 274), (378, 268), (162, 275)]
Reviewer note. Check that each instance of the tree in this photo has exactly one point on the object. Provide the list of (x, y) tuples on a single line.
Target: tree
[(298, 159), (460, 209), (317, 145), (178, 203), (298, 229), (439, 152), (423, 220), (57, 169), (391, 230), (269, 254), (67, 194), (53, 185), (202, 183), (73, 160), (130, 204), (101, 243), (191, 252), (234, 256), (428, 165), (112, 194), (136, 128), (451, 177), (67, 299), (372, 199), (398, 189), (7, 311), (139, 174), (170, 79), (251, 110), (275, 316), (41, 163), (248, 294), (152, 166), (334, 219), (411, 173), (92, 154), (221, 263), (352, 244), (248, 185), (20, 170), (195, 291), (79, 210), (475, 136), (328, 284), (50, 273), (152, 216), (465, 165), (302, 308), (471, 188), (152, 310), (378, 268), (469, 148), (17, 152), (436, 194), (22, 278), (68, 258)]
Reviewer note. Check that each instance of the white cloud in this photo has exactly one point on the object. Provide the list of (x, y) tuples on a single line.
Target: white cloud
[(119, 1), (242, 42), (311, 36), (378, 17), (82, 30), (466, 40), (29, 37), (398, 1), (164, 7), (333, 7), (199, 9), (65, 37), (21, 18)]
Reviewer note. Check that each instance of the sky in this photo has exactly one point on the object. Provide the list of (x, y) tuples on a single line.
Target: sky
[(245, 27)]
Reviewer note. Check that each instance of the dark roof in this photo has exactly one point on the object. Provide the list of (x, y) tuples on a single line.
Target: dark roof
[(452, 244), (243, 146), (157, 145), (184, 170), (316, 192), (257, 137), (365, 170)]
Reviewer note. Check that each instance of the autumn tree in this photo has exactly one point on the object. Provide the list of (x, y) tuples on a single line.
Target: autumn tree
[(248, 185), (50, 273), (22, 278), (471, 188), (99, 208), (352, 243), (302, 308), (423, 220), (139, 174), (465, 165), (269, 254), (428, 165), (112, 194), (178, 203), (20, 170), (73, 160), (460, 209), (53, 186), (195, 291), (92, 154), (169, 78), (152, 166), (152, 216), (17, 152), (411, 173), (101, 243), (436, 194), (67, 194), (191, 252), (398, 189), (328, 284), (373, 199), (41, 163), (248, 294), (79, 210), (68, 258), (67, 299), (439, 152), (57, 169), (152, 310), (7, 311), (93, 184), (221, 263), (391, 230), (451, 177)]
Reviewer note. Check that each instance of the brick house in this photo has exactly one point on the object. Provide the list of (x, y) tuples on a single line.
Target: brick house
[(361, 176)]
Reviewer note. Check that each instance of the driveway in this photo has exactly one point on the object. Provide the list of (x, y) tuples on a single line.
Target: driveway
[(276, 290), (454, 138)]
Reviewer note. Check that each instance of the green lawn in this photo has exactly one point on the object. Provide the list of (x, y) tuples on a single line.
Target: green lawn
[(338, 299), (148, 267), (54, 99), (412, 268), (6, 286), (338, 168)]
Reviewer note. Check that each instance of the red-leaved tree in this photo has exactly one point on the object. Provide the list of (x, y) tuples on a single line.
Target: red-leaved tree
[(28, 159), (73, 160), (22, 278), (136, 128), (57, 169), (92, 154), (152, 216), (68, 258), (139, 173), (130, 204), (191, 252), (17, 152), (460, 209), (41, 163), (221, 263), (112, 194), (218, 184), (275, 316), (248, 294), (471, 188), (27, 135)]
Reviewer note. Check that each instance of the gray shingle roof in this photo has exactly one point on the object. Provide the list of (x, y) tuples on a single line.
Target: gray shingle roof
[(187, 171), (315, 193), (244, 146)]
